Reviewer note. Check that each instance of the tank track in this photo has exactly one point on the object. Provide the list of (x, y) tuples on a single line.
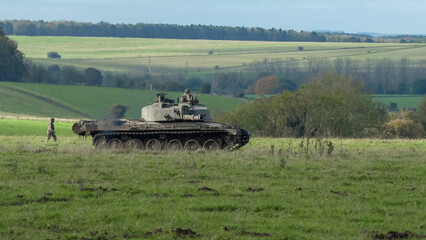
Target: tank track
[(171, 140)]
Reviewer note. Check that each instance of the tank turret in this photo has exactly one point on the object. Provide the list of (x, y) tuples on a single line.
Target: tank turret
[(167, 125), (166, 110)]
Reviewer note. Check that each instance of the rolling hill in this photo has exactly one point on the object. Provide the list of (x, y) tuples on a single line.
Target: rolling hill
[(133, 54), (87, 102)]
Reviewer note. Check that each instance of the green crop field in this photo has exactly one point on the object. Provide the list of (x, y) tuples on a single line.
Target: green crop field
[(271, 188), (82, 101), (402, 100), (132, 54)]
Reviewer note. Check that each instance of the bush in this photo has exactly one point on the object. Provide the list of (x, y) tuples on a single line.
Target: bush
[(404, 128), (53, 55), (330, 106), (420, 115), (92, 77)]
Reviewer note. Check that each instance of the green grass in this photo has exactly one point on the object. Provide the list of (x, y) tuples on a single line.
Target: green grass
[(402, 100), (131, 54), (14, 127), (93, 102), (69, 190)]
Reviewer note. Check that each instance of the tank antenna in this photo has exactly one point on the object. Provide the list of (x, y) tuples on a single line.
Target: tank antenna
[(150, 86)]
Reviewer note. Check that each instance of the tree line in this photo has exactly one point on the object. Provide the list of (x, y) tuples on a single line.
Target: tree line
[(380, 76), (270, 76), (70, 75), (147, 30)]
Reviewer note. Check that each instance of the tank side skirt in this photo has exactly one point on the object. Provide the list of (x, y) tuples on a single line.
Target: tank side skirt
[(226, 140)]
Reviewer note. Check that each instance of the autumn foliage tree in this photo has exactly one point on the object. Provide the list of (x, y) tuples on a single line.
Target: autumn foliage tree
[(266, 85)]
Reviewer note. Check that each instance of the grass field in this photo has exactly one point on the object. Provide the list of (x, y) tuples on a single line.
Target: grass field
[(19, 127), (402, 100), (82, 101), (131, 54), (363, 190), (407, 100)]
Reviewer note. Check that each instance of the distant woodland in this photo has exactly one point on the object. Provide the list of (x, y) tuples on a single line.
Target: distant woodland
[(147, 30)]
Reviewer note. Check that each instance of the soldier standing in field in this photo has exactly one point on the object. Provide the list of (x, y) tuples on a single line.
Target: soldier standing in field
[(51, 130)]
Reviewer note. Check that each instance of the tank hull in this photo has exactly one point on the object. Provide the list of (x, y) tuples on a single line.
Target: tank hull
[(176, 135)]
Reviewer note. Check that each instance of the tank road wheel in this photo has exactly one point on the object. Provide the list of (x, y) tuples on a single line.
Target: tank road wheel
[(115, 143), (99, 141), (211, 145), (174, 145), (134, 144), (153, 145), (191, 145)]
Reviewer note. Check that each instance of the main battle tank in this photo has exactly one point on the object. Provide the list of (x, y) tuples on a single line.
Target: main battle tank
[(166, 125)]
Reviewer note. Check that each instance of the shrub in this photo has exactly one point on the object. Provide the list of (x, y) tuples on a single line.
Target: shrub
[(92, 77), (420, 115), (404, 128), (53, 55)]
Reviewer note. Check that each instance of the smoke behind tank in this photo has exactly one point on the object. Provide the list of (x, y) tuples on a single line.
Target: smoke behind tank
[(117, 111)]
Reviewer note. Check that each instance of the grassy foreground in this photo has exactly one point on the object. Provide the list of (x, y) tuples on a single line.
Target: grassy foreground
[(270, 188)]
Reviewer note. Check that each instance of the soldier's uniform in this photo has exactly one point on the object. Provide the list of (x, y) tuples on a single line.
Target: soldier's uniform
[(51, 130), (187, 97)]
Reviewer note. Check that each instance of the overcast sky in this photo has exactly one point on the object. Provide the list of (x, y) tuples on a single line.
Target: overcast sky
[(379, 16)]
